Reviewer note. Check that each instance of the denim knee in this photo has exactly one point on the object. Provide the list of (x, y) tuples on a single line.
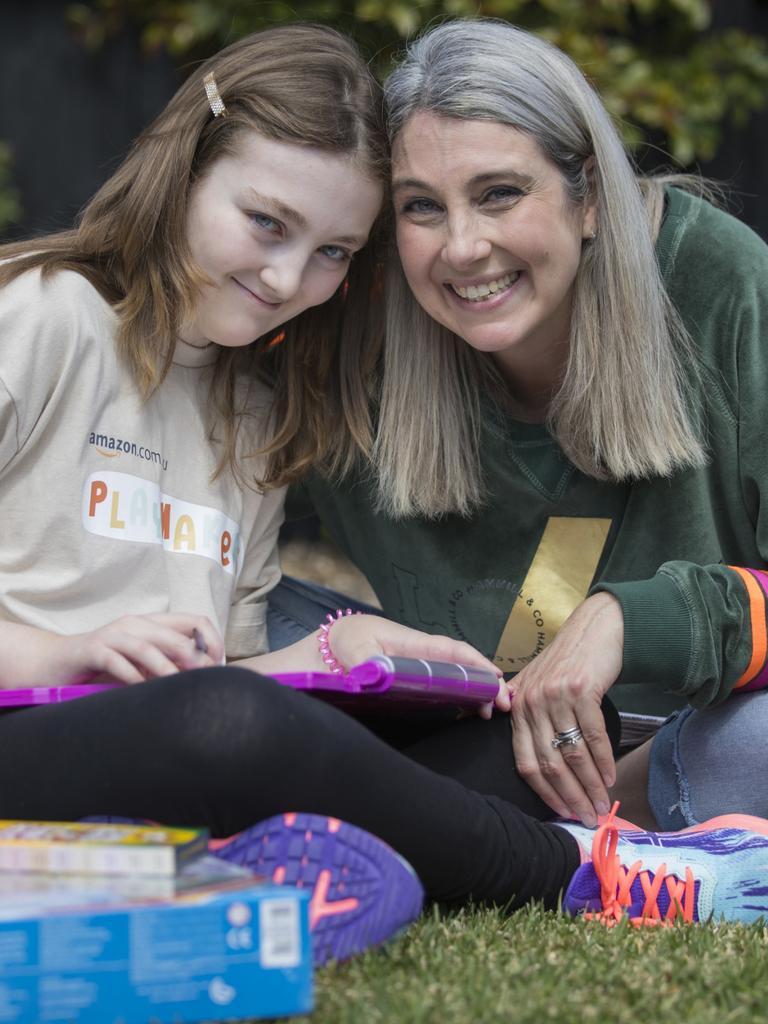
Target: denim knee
[(704, 763), (296, 608), (668, 794)]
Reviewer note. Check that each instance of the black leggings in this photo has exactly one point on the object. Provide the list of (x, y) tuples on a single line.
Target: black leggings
[(225, 748)]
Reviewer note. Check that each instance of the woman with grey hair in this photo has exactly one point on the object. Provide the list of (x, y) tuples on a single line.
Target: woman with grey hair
[(569, 452)]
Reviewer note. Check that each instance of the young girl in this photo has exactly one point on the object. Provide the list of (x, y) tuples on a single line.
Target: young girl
[(143, 459)]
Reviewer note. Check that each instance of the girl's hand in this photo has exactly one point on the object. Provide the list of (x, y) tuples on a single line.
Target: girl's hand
[(562, 688), (135, 648), (356, 638)]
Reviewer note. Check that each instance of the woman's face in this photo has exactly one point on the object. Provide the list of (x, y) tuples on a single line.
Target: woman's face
[(274, 227), (488, 239)]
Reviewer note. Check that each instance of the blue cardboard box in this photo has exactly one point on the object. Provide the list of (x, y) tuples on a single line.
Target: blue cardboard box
[(237, 950)]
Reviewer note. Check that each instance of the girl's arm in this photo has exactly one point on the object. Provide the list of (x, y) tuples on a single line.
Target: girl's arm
[(128, 650), (356, 638)]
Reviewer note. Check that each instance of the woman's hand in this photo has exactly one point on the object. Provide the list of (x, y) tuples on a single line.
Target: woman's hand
[(356, 638), (563, 688), (135, 648)]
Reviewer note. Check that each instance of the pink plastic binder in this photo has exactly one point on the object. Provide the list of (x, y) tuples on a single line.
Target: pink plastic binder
[(382, 683)]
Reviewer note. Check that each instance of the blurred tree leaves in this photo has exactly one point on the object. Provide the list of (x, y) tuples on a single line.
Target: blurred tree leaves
[(10, 208), (659, 67), (663, 72)]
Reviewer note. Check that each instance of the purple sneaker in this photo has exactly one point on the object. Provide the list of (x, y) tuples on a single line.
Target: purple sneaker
[(362, 891), (717, 870)]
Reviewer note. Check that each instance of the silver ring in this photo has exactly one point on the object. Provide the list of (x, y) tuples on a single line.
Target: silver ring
[(567, 738)]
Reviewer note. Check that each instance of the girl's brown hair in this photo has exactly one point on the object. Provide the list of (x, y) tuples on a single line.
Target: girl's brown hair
[(301, 84)]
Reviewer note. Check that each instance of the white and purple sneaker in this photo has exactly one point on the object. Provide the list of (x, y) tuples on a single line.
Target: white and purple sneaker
[(716, 871)]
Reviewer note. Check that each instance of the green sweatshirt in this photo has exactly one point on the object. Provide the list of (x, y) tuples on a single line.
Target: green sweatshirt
[(506, 579)]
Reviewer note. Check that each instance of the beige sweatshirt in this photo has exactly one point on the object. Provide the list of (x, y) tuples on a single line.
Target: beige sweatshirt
[(106, 502)]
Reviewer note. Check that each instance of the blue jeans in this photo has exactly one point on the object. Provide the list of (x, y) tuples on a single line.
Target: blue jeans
[(297, 607), (705, 763)]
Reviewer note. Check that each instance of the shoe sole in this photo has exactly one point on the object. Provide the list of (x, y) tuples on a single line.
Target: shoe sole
[(743, 822), (626, 829), (363, 893)]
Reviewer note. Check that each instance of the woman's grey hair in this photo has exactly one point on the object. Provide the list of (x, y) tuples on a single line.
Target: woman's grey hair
[(621, 410)]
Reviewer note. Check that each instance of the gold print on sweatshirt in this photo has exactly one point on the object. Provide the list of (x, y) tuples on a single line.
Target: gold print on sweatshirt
[(557, 581)]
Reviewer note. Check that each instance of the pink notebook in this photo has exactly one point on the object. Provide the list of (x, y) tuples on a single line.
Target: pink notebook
[(50, 694), (399, 684), (381, 683)]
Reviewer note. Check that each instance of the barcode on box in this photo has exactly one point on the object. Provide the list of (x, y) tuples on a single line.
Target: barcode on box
[(280, 933)]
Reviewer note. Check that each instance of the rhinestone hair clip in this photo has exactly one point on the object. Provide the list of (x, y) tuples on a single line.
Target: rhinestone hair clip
[(214, 98)]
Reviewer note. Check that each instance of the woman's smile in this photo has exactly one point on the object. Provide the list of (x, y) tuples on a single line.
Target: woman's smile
[(484, 295)]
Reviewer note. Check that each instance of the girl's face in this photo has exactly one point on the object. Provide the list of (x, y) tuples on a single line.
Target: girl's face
[(274, 227), (488, 239)]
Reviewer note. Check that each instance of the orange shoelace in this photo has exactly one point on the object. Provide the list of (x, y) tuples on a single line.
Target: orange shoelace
[(616, 884)]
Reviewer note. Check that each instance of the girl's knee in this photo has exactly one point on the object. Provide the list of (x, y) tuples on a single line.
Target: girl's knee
[(233, 713)]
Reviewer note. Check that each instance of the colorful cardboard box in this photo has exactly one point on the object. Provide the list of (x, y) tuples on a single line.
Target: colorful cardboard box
[(239, 950), (98, 848)]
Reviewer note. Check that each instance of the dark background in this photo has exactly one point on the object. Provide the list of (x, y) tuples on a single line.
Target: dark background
[(70, 114)]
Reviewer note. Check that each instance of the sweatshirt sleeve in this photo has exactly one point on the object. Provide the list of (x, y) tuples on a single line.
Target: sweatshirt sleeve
[(264, 512), (45, 326), (695, 630), (24, 387), (262, 516), (9, 426), (700, 631)]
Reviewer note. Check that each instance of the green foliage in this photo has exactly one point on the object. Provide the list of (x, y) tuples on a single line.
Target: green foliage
[(661, 70), (10, 208)]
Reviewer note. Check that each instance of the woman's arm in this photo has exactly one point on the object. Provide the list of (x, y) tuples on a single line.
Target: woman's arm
[(696, 630), (563, 688)]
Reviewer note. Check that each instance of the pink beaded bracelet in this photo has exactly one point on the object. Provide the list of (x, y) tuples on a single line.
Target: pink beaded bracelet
[(326, 653)]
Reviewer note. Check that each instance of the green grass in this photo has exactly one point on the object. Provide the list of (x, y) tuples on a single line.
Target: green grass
[(482, 966)]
